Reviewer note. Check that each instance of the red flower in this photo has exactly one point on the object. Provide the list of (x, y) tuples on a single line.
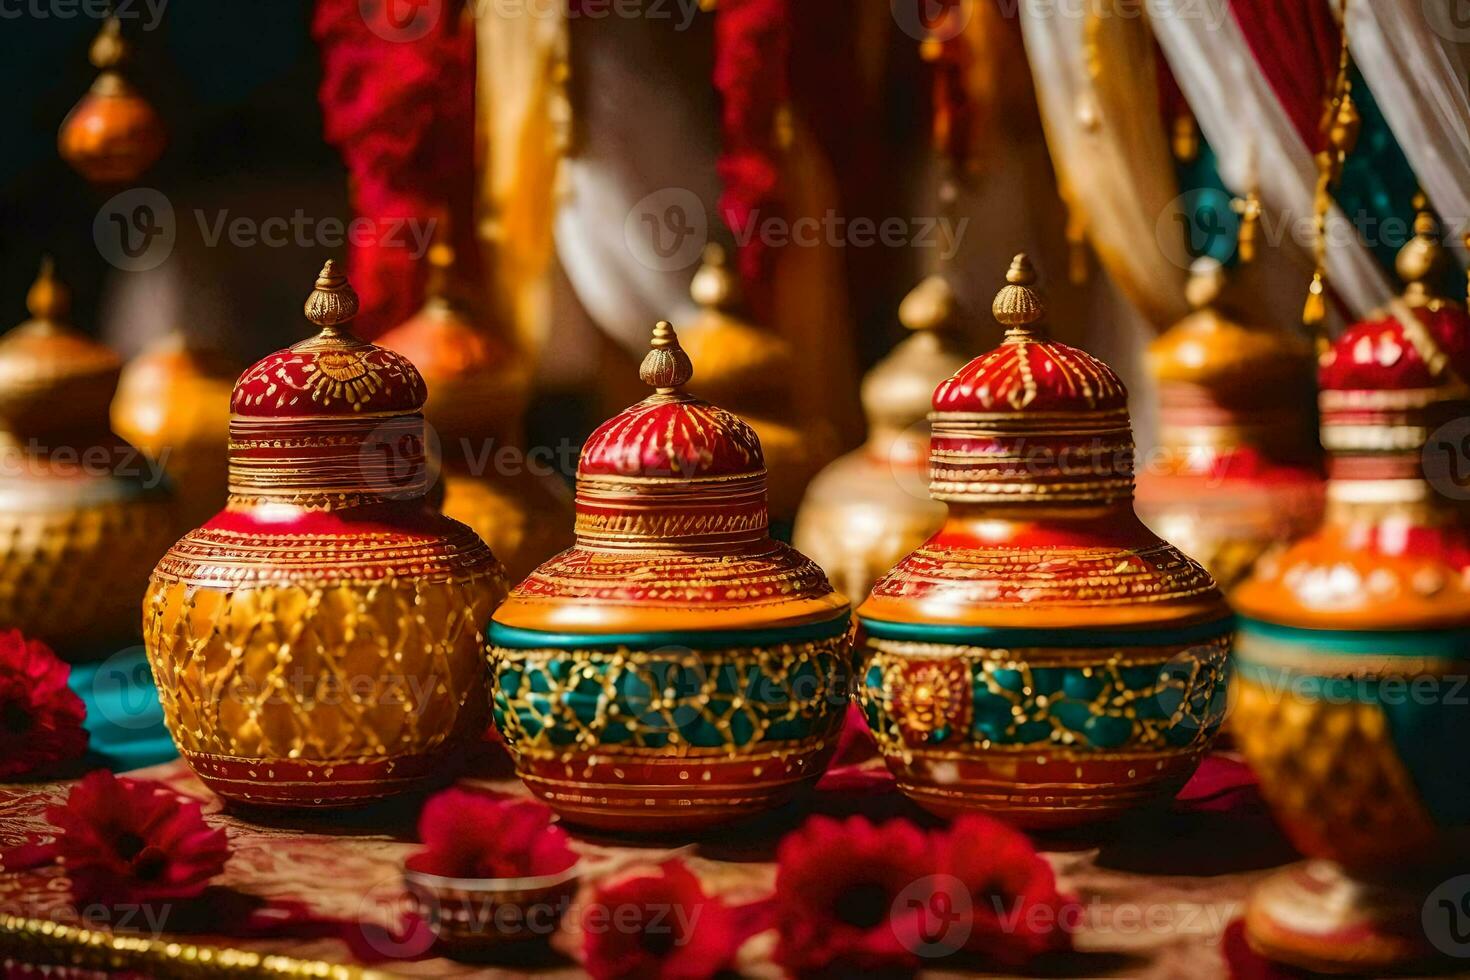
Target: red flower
[(1016, 912), (659, 926), (40, 717), (841, 896), (474, 835), (134, 840)]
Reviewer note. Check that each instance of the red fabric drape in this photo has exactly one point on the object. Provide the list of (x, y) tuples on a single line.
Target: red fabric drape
[(752, 75), (398, 103), (1296, 44)]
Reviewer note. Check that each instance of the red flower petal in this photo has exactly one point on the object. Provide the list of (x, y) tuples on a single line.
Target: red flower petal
[(475, 835), (134, 841), (659, 926), (1016, 911), (840, 894), (40, 717)]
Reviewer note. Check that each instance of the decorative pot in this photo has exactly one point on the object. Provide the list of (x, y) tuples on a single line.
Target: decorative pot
[(1043, 656), (1238, 467), (676, 667), (1354, 651), (173, 402), (871, 507), (83, 515), (319, 641)]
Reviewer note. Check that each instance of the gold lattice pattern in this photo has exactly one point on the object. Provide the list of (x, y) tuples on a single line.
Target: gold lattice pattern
[(1160, 699), (557, 704), (74, 577), (333, 671), (1331, 773)]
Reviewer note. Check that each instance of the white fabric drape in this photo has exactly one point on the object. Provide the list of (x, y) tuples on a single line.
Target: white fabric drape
[(1256, 143), (1418, 75)]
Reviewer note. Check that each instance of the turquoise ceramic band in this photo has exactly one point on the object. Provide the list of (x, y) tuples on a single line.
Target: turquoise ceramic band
[(1444, 644), (514, 638), (984, 636)]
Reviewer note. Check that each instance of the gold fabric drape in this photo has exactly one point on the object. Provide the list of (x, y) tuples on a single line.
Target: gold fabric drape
[(1096, 82)]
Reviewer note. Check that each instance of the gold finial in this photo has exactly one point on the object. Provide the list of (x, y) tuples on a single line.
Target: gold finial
[(1206, 282), (1018, 306), (666, 367), (1420, 261), (929, 306), (333, 300), (714, 286), (47, 298), (109, 49)]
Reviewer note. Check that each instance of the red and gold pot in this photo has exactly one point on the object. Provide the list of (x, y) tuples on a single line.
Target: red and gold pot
[(1353, 659), (677, 667), (319, 642), (1043, 656)]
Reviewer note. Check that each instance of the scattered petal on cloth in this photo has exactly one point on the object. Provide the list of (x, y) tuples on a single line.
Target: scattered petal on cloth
[(1221, 783), (660, 926), (40, 717), (1016, 911), (126, 841), (839, 896), (469, 834)]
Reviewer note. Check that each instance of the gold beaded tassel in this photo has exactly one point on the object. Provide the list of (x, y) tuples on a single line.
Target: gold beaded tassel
[(1340, 127)]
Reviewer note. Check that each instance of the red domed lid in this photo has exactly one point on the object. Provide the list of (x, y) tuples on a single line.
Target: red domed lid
[(333, 373), (1421, 341), (1029, 373), (1032, 420), (671, 434)]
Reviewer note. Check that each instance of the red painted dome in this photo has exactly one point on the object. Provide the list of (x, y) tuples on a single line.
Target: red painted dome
[(1027, 372), (1030, 373), (1421, 341), (1032, 419), (1383, 354), (332, 374), (671, 434)]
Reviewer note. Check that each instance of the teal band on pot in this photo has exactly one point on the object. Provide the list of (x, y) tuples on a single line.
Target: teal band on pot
[(1443, 644), (1013, 637), (516, 638)]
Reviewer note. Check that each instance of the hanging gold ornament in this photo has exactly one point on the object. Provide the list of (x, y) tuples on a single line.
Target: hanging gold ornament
[(112, 135)]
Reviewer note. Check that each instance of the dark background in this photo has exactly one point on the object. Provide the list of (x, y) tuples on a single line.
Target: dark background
[(236, 84)]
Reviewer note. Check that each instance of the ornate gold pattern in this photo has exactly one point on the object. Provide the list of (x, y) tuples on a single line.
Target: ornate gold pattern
[(321, 672), (1023, 577), (1331, 772), (41, 941)]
